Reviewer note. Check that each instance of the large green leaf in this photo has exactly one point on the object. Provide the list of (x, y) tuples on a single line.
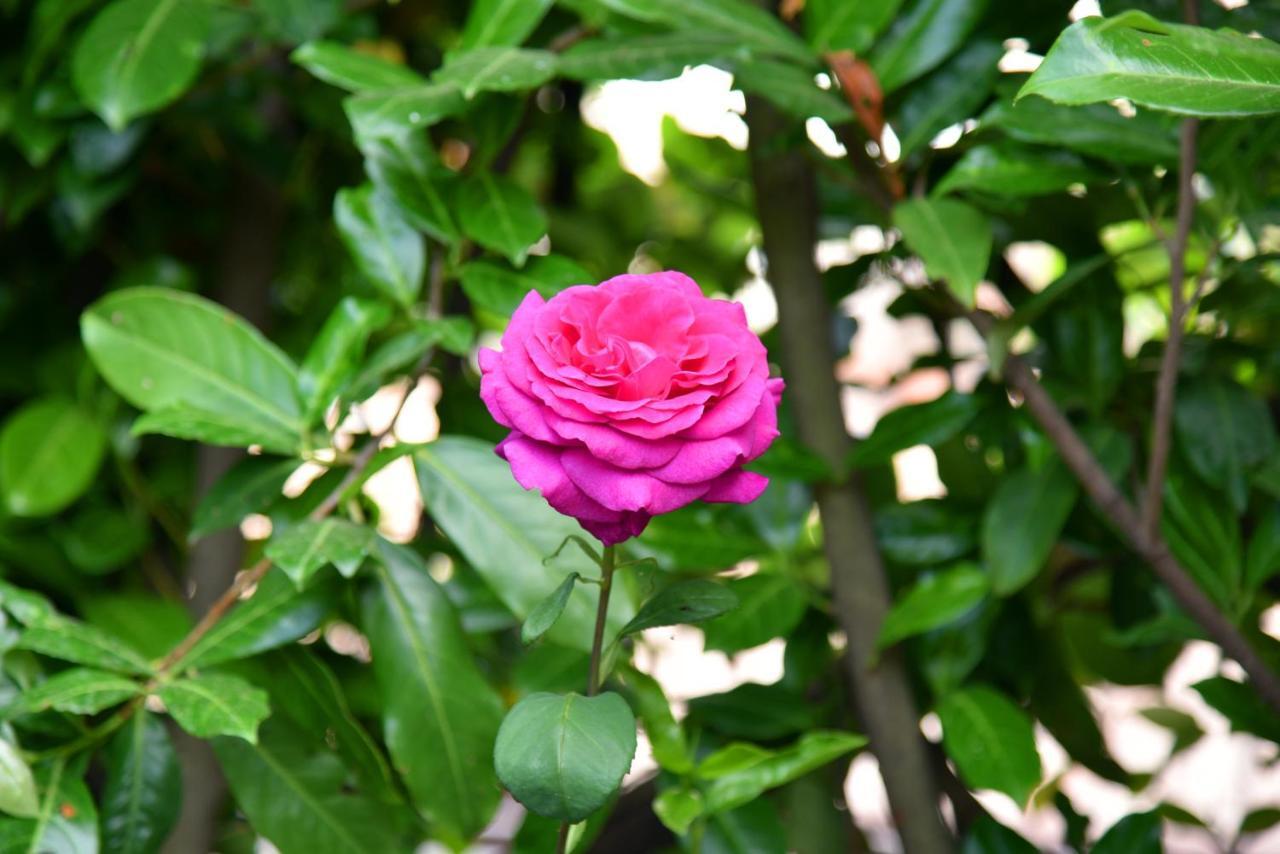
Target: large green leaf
[(564, 756), (165, 350), (1241, 705), (273, 616), (80, 691), (770, 605), (793, 90), (439, 715), (499, 288), (505, 533), (921, 39), (1224, 432), (66, 822), (497, 69), (841, 25), (296, 794), (1022, 522), (70, 640), (406, 109), (138, 55), (740, 773), (49, 453), (335, 352), (309, 545), (500, 215), (214, 704), (1182, 69), (947, 96), (248, 487), (406, 167), (501, 22), (683, 602), (1013, 171), (386, 248), (953, 239), (991, 741), (649, 57), (351, 69), (937, 600), (143, 790), (1134, 834), (924, 533), (916, 424), (17, 786), (752, 26), (1098, 130), (666, 736)]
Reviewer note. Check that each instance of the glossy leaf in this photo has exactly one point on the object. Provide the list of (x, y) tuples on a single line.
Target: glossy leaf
[(1224, 432), (1262, 561), (740, 773), (17, 786), (501, 22), (276, 614), (840, 25), (937, 600), (297, 796), (1134, 834), (564, 756), (298, 21), (391, 112), (335, 352), (439, 715), (386, 248), (953, 239), (505, 533), (306, 547), (248, 487), (49, 453), (405, 167), (496, 69), (80, 691), (666, 736), (545, 613), (1241, 705), (66, 822), (143, 790), (678, 808), (991, 741), (921, 39), (988, 836), (1098, 130), (915, 424), (1182, 69), (950, 94), (683, 602), (214, 704), (649, 57), (793, 90), (751, 26), (769, 605), (1022, 522), (164, 350), (139, 55), (501, 289), (352, 69), (71, 640), (924, 533), (501, 216), (1002, 170)]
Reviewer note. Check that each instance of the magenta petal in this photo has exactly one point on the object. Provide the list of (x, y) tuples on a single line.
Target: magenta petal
[(619, 489), (737, 487), (538, 466)]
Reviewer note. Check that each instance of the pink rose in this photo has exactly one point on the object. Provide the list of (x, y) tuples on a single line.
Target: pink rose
[(631, 398)]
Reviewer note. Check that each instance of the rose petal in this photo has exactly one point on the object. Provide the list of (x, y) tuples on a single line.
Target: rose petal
[(619, 489), (737, 487)]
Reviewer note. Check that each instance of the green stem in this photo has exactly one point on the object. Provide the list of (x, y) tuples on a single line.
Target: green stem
[(608, 563)]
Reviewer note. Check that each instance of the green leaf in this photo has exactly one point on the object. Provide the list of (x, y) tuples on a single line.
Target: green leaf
[(770, 605), (741, 773), (924, 533), (213, 704), (276, 614), (793, 90), (164, 350), (1015, 172), (143, 790), (501, 22), (80, 691), (1224, 432), (297, 21), (336, 351), (137, 56), (545, 613), (988, 836), (1189, 70), (17, 786), (102, 538), (212, 428), (248, 487), (405, 167), (70, 640), (352, 69), (930, 423), (309, 545), (678, 808), (505, 532), (1133, 834), (921, 39), (840, 25), (666, 736), (439, 715), (386, 248), (66, 821), (1241, 705), (500, 215), (953, 239), (497, 69), (756, 712), (1022, 522), (49, 453), (1262, 560), (753, 27), (296, 794), (1260, 820), (646, 57), (1204, 535), (500, 289), (950, 95), (406, 109), (991, 741), (564, 756), (683, 602), (1098, 130), (937, 600)]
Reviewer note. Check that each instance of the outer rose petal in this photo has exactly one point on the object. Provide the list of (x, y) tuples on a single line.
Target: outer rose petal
[(619, 489), (737, 487)]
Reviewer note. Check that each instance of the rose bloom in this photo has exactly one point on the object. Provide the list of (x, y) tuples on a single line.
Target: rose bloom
[(631, 398)]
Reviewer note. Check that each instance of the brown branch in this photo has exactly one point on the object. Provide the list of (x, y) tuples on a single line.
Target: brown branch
[(1167, 378)]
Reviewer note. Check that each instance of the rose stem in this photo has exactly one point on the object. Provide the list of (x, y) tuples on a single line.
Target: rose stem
[(607, 565)]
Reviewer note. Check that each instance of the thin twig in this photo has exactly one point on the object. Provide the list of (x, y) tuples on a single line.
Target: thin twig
[(1167, 378)]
